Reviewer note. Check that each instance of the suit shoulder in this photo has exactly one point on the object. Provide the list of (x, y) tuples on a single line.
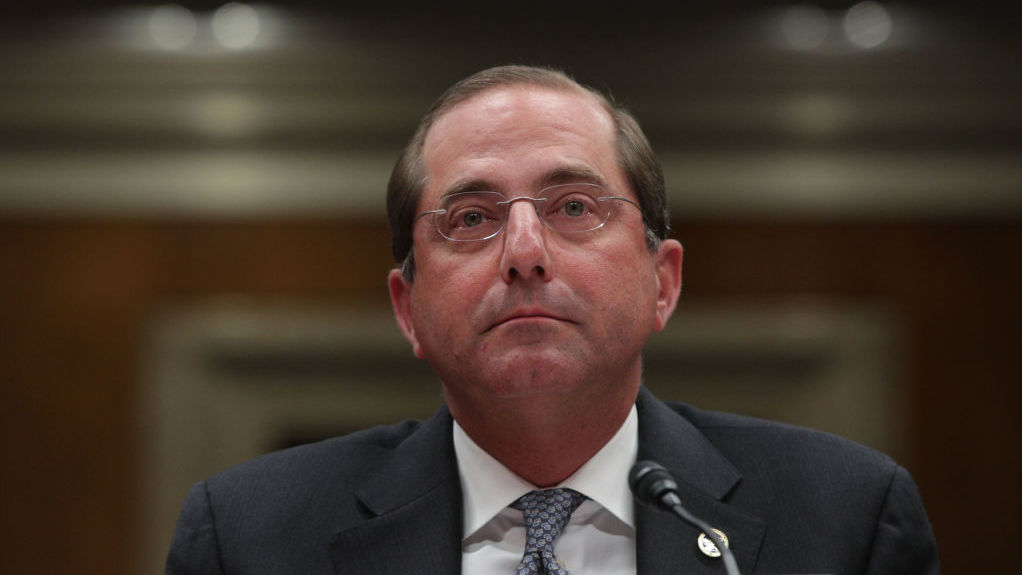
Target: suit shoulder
[(750, 441), (343, 458)]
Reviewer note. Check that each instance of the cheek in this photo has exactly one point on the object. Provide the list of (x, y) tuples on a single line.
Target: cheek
[(447, 288), (619, 284)]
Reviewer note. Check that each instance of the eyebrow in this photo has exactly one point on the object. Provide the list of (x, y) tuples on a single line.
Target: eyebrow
[(472, 185), (557, 176), (571, 175)]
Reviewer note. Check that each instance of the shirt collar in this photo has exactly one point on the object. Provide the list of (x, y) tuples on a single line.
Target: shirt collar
[(488, 486)]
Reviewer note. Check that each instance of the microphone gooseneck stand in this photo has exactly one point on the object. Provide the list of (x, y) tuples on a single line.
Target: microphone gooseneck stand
[(653, 485)]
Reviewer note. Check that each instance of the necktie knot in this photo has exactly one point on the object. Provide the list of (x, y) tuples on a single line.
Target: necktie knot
[(546, 513)]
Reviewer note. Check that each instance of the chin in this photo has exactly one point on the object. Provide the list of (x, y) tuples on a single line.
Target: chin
[(536, 377)]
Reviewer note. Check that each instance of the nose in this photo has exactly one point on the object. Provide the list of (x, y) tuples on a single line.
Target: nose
[(525, 253)]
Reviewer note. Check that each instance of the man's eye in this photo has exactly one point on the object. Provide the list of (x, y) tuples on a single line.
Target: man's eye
[(471, 219), (574, 208)]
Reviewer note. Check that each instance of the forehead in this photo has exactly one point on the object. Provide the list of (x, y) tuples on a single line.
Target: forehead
[(517, 138)]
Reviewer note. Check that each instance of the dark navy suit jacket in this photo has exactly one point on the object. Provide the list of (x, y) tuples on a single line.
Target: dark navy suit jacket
[(388, 501)]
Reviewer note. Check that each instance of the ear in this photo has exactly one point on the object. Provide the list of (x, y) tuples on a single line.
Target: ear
[(668, 277), (401, 300)]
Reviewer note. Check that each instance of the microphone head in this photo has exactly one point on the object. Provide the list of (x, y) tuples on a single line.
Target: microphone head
[(650, 482)]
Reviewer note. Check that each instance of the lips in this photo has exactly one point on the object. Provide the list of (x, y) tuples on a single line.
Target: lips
[(525, 314)]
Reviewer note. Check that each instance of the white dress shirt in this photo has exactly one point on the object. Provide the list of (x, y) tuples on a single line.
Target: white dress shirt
[(599, 539)]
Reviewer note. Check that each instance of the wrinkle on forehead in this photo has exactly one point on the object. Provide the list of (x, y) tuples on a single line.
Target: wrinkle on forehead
[(559, 175), (500, 104), (555, 118)]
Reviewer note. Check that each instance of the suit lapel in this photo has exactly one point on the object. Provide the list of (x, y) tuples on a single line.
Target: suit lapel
[(664, 543), (414, 507), (415, 513)]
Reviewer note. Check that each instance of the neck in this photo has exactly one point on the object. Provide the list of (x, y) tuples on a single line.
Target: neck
[(544, 439)]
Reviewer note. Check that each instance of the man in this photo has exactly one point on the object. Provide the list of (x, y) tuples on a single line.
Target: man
[(530, 226)]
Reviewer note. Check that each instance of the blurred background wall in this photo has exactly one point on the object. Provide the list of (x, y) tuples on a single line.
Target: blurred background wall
[(160, 159)]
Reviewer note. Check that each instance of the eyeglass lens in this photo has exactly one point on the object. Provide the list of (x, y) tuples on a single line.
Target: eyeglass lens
[(568, 208)]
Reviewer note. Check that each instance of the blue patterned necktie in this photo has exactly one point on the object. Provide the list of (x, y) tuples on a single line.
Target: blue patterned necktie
[(546, 513)]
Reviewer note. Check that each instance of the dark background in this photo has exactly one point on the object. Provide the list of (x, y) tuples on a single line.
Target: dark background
[(81, 275)]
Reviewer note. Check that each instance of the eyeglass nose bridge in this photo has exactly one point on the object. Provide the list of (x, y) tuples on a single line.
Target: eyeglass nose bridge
[(506, 204), (510, 201)]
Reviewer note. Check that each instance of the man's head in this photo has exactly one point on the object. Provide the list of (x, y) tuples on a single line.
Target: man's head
[(634, 154), (541, 311)]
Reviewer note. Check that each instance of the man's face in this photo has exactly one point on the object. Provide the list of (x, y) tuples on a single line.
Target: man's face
[(532, 312)]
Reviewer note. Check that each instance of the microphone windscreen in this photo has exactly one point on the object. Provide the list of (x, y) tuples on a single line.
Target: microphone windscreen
[(650, 481)]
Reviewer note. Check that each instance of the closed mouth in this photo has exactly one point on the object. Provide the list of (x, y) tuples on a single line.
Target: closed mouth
[(528, 315)]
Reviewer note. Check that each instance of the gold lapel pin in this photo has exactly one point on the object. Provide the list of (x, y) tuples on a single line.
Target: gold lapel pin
[(706, 544)]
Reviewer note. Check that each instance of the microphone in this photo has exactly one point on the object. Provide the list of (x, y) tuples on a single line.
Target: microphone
[(653, 485)]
